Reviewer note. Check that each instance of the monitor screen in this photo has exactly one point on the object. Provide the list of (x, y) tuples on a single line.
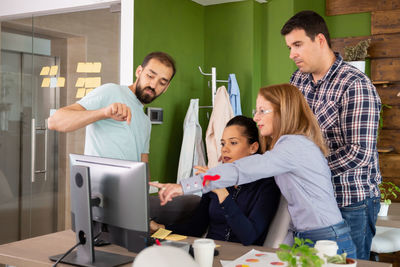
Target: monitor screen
[(122, 207)]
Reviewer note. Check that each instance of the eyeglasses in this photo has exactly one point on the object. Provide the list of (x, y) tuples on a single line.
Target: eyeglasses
[(261, 111)]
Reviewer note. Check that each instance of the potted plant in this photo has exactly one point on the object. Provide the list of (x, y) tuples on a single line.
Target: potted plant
[(355, 55), (388, 189), (340, 260), (300, 254)]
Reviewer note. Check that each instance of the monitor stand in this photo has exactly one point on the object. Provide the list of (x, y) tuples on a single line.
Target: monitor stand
[(81, 204)]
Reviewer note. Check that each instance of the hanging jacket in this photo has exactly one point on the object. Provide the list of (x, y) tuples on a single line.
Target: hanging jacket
[(192, 150), (221, 114), (234, 94)]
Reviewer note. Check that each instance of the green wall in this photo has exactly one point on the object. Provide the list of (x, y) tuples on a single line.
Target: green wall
[(276, 65), (230, 31), (241, 37), (175, 27)]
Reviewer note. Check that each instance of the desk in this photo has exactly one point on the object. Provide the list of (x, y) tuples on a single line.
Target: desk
[(393, 218), (34, 252)]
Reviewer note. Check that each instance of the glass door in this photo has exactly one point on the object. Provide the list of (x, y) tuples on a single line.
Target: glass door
[(28, 166)]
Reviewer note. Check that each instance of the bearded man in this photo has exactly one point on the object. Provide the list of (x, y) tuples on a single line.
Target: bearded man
[(116, 125)]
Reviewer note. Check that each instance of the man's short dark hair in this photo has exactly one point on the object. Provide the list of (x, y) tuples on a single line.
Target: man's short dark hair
[(164, 58), (309, 21)]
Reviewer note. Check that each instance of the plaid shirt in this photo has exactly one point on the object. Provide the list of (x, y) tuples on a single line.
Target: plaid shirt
[(347, 107)]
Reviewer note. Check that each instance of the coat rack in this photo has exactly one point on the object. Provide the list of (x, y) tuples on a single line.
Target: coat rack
[(214, 81)]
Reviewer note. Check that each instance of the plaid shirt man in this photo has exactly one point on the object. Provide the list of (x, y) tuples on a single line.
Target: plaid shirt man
[(347, 108)]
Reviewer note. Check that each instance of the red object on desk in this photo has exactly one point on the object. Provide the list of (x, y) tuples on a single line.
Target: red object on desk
[(158, 242)]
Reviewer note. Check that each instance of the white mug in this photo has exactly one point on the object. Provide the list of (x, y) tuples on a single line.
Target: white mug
[(203, 249), (326, 248)]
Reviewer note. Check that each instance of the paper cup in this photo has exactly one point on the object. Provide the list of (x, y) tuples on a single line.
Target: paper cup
[(203, 249), (326, 248)]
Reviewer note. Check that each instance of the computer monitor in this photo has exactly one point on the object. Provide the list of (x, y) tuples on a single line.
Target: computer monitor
[(113, 194)]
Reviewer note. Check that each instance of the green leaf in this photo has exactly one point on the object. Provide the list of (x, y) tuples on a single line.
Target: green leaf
[(283, 256), (285, 247)]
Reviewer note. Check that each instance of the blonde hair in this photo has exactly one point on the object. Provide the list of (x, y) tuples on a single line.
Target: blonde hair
[(294, 116)]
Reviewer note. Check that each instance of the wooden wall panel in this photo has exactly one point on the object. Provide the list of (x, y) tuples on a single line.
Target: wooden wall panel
[(391, 119), (385, 21), (385, 45), (385, 69), (339, 7), (389, 94), (390, 165), (382, 45), (386, 139)]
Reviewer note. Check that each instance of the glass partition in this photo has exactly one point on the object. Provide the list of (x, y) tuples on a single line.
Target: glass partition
[(39, 73)]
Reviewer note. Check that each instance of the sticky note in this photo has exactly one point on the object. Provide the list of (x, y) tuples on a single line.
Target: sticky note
[(96, 67), (60, 82), (81, 67), (89, 90), (80, 82), (45, 70), (89, 67), (80, 93), (92, 82), (53, 70), (53, 82), (175, 237), (46, 82), (161, 233)]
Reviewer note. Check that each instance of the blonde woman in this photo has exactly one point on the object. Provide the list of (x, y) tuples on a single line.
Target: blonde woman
[(295, 156)]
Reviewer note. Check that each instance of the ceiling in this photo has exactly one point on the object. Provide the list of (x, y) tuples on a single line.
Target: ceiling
[(215, 2)]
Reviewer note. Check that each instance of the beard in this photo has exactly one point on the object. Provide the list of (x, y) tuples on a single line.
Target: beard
[(144, 96)]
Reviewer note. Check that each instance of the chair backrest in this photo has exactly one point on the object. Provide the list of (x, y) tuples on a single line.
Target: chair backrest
[(174, 211), (278, 230)]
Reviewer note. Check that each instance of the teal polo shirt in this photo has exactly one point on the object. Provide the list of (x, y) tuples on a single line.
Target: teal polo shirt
[(116, 139)]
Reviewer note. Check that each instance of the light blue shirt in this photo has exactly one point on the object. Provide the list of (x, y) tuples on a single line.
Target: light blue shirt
[(116, 139), (234, 95), (301, 172)]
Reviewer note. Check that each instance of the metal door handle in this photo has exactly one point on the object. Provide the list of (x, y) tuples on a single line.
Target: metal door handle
[(33, 149)]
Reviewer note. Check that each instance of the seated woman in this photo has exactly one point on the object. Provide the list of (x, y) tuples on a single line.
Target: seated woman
[(295, 157), (237, 213)]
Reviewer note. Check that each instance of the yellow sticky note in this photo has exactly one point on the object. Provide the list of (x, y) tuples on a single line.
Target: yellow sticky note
[(175, 237), (45, 70), (80, 82), (81, 67), (60, 82), (80, 93), (89, 67), (53, 70), (89, 90), (161, 233), (92, 82), (46, 82), (96, 67)]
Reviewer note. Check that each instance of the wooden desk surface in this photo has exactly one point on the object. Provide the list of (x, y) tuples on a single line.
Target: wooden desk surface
[(393, 218), (34, 252)]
